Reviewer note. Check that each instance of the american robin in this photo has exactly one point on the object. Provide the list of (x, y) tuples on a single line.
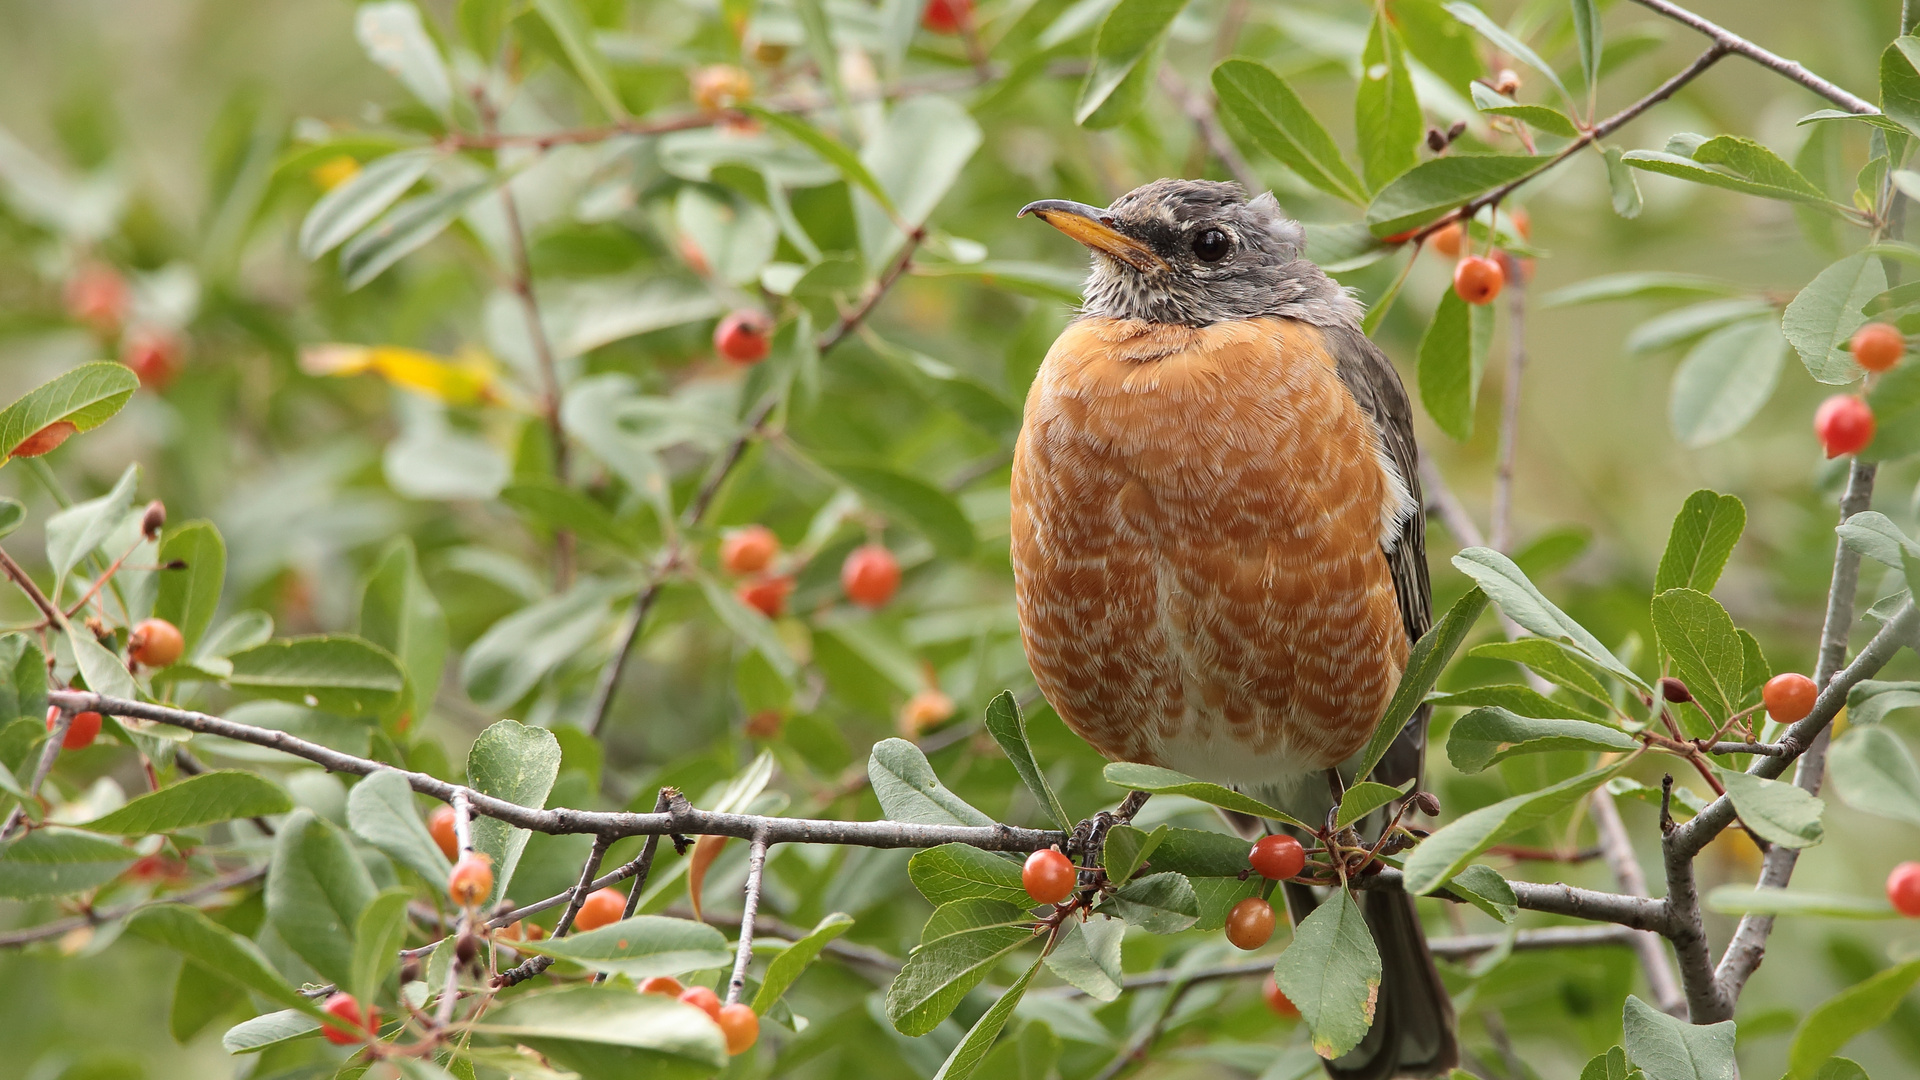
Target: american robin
[(1218, 555)]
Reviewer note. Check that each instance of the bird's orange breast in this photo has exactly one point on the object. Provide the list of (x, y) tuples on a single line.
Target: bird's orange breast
[(1196, 548)]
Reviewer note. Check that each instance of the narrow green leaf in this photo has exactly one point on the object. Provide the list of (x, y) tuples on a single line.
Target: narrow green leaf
[(939, 973), (831, 150), (1764, 181), (1127, 849), (405, 229), (55, 862), (640, 947), (912, 502), (1669, 1048), (1524, 604), (380, 810), (221, 795), (611, 1031), (1274, 117), (340, 673), (366, 195), (953, 872), (1454, 845), (1874, 772), (569, 24), (1871, 700), (86, 397), (1485, 889), (399, 613), (972, 1050), (1427, 659), (13, 514), (1435, 187), (1777, 810), (267, 1029), (377, 937), (1639, 285), (1009, 729), (392, 33), (1364, 798), (1859, 1008), (1586, 31), (751, 627), (1551, 661), (1820, 320), (909, 791), (1550, 120), (1158, 781), (1200, 853), (1623, 189), (1161, 903), (191, 933), (1524, 700), (1747, 900), (1386, 113), (1725, 381), (1125, 52), (1900, 83), (78, 530), (189, 597), (1489, 735), (1707, 652), (518, 763), (786, 967), (1452, 359), (1331, 973), (1505, 42), (1704, 532)]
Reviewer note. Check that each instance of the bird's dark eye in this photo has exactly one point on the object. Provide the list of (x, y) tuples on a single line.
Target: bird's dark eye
[(1211, 245)]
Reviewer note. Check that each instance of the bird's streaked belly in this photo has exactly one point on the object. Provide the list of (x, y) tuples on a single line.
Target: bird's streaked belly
[(1196, 526)]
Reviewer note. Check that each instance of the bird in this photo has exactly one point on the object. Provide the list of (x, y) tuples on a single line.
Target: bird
[(1218, 551)]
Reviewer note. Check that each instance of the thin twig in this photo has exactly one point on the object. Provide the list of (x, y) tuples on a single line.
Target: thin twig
[(580, 891), (1198, 106), (749, 908), (21, 578), (1617, 846), (1780, 65), (1687, 928), (1445, 505), (56, 736), (100, 916)]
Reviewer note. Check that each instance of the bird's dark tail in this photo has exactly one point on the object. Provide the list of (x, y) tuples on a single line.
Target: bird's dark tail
[(1412, 1033)]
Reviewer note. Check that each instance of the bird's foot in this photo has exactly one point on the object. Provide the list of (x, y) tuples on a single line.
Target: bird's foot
[(1090, 836)]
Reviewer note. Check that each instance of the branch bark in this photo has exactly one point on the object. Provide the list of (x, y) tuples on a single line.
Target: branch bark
[(749, 908), (1731, 42)]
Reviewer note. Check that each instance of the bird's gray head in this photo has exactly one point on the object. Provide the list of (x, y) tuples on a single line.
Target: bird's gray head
[(1197, 252)]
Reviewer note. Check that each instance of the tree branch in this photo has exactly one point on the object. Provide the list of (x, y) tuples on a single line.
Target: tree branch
[(577, 896), (56, 736), (749, 908), (1617, 845), (1731, 42), (99, 916), (1686, 929)]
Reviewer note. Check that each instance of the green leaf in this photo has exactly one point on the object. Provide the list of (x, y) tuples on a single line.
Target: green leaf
[(55, 862), (1158, 781), (1088, 956), (1524, 604), (394, 37), (1611, 1065), (189, 597), (1875, 536), (786, 967), (967, 1056), (189, 932), (1639, 285), (1488, 735), (1485, 889), (1895, 400), (1126, 849), (86, 397), (1524, 700), (917, 156), (399, 613), (1873, 771), (1435, 187), (221, 795), (1009, 729), (1331, 972), (1549, 120), (610, 1031), (750, 626), (1820, 320), (316, 889), (912, 502), (13, 513), (1692, 322), (1454, 845), (1274, 117), (1453, 356), (953, 872), (1125, 54), (1749, 168), (1669, 1048), (1623, 189), (377, 937), (1857, 1009), (1871, 700), (1385, 111), (353, 205), (1900, 83), (569, 24), (642, 946), (1747, 900), (1839, 1068), (518, 651), (1364, 798), (75, 532), (1587, 33), (940, 971), (1505, 42), (1707, 652), (1724, 381), (1427, 659), (267, 1029), (1549, 660), (831, 150), (909, 791), (23, 679), (380, 810), (405, 229), (1776, 810), (1161, 903), (104, 671), (517, 763), (1704, 532), (340, 673)]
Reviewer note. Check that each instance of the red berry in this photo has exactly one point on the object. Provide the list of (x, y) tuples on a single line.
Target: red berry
[(748, 550), (663, 984), (1278, 857), (1478, 279), (1277, 1000), (440, 824), (870, 575), (741, 1025), (156, 643), (44, 440), (98, 296), (744, 336), (1877, 346), (1844, 424), (1903, 889), (1250, 923), (472, 879), (603, 906), (1789, 697), (1049, 877), (154, 355), (767, 595), (345, 1008), (80, 733), (946, 16), (702, 998), (1446, 239)]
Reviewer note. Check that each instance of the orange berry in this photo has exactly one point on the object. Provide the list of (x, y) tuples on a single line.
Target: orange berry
[(440, 825), (1844, 424), (1446, 239), (718, 86), (1278, 857), (1877, 346), (767, 595), (1789, 697), (154, 355), (870, 575), (44, 440), (97, 295), (946, 16), (764, 724), (1903, 889), (1277, 1000), (924, 710), (702, 998), (744, 336), (472, 879), (749, 549), (156, 643), (80, 733), (662, 984), (1478, 279), (741, 1025), (603, 907), (345, 1008), (1522, 222), (1049, 877), (1250, 923)]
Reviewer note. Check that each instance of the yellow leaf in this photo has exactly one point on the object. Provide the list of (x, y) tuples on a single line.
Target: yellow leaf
[(334, 171), (467, 379)]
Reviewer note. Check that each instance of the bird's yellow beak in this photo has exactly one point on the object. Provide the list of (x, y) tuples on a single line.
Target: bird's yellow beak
[(1093, 227)]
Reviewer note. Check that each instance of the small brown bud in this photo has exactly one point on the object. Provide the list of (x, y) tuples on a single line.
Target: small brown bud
[(1458, 129), (1426, 802), (1436, 140), (1507, 82), (175, 564), (1672, 689), (410, 970), (466, 947), (153, 520)]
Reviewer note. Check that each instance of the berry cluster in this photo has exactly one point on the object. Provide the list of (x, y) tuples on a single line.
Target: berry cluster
[(1844, 422)]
